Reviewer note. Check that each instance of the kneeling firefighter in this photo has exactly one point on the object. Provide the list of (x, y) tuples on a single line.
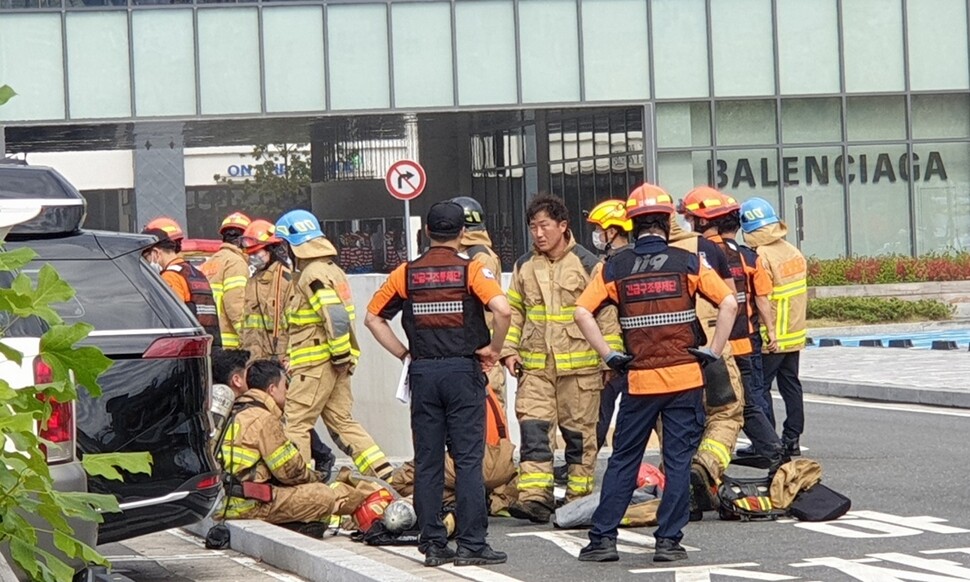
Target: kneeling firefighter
[(267, 478)]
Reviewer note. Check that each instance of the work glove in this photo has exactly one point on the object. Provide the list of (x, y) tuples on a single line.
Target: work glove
[(704, 355), (618, 361)]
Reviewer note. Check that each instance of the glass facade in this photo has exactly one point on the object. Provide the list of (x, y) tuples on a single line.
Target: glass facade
[(827, 108)]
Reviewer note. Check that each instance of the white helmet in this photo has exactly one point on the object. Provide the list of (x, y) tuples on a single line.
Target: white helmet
[(399, 516)]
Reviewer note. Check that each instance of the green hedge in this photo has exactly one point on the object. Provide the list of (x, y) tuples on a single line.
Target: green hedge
[(878, 310), (888, 269)]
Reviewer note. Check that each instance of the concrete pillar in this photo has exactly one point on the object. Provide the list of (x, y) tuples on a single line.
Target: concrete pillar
[(159, 168), (3, 141)]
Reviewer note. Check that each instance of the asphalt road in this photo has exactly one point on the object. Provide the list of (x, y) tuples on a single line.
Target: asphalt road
[(905, 468)]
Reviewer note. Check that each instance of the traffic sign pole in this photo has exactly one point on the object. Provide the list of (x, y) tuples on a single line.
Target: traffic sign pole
[(407, 229)]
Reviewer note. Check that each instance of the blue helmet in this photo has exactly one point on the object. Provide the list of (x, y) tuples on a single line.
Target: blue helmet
[(298, 226), (756, 213)]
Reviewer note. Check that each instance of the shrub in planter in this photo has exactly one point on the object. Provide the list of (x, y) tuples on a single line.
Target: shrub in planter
[(888, 269), (878, 310)]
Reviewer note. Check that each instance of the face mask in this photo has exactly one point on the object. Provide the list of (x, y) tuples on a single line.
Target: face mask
[(155, 267), (687, 225), (256, 262), (599, 240)]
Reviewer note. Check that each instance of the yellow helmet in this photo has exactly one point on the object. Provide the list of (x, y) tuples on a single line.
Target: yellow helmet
[(610, 213)]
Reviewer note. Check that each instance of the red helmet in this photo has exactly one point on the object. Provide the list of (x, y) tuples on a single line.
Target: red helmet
[(258, 234), (650, 475), (649, 199), (168, 226), (372, 509), (235, 220), (706, 202)]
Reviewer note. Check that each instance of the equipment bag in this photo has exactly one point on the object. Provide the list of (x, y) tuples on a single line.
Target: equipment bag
[(819, 503), (746, 499)]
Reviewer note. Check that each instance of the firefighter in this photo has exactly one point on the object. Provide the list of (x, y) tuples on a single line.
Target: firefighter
[(611, 234), (228, 272), (716, 217), (783, 326), (267, 292), (723, 420), (560, 374), (188, 283), (442, 296), (228, 383), (654, 285), (271, 480), (476, 243), (322, 348)]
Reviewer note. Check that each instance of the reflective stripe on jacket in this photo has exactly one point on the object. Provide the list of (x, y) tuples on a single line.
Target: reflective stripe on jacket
[(320, 316), (789, 276), (264, 329), (228, 271), (543, 296)]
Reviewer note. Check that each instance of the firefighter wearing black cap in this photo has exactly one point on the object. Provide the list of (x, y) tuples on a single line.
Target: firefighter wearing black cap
[(654, 287), (442, 296)]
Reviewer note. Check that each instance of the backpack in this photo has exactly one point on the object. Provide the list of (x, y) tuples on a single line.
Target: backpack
[(819, 503), (746, 499)]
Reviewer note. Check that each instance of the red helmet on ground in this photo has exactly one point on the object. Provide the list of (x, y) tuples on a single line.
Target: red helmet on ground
[(707, 203), (649, 199), (650, 475), (372, 508), (168, 226), (235, 220), (258, 234)]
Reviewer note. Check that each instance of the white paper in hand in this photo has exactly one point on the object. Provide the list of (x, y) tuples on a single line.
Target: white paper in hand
[(403, 387)]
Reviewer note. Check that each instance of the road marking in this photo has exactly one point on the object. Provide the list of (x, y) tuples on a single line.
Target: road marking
[(886, 406), (704, 573), (195, 541), (140, 558), (948, 551), (866, 524), (466, 572), (252, 564), (931, 570)]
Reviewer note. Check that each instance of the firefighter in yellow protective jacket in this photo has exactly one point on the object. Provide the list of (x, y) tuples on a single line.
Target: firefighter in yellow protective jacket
[(783, 327), (272, 481), (323, 347), (228, 271), (723, 422), (476, 243), (561, 376), (267, 293)]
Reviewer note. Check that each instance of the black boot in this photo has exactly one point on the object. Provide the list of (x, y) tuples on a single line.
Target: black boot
[(792, 449), (602, 550), (668, 550), (438, 555), (703, 493), (531, 510), (313, 529), (483, 557)]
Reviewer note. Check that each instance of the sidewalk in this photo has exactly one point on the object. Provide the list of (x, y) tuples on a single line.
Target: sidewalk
[(938, 378)]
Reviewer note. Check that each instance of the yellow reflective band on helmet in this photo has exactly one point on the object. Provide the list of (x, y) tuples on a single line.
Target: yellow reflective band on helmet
[(615, 342), (367, 459), (577, 360), (580, 485), (236, 458), (281, 456), (538, 313), (719, 450), (515, 335), (533, 360), (709, 203), (309, 355), (535, 481), (231, 283), (515, 299)]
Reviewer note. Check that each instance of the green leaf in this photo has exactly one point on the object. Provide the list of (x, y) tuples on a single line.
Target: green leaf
[(87, 363), (6, 94), (16, 259), (51, 288), (65, 543), (103, 464), (23, 554), (86, 505), (16, 423), (6, 392), (59, 569), (11, 354)]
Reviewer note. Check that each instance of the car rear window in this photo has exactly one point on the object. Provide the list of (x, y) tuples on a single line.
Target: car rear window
[(19, 182), (107, 298)]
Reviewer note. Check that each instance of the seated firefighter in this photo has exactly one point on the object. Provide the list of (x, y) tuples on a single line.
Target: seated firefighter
[(266, 476)]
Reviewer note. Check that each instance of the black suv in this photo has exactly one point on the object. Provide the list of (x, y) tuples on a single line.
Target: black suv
[(156, 394)]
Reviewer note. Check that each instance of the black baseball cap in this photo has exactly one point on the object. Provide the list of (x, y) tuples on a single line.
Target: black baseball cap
[(446, 219)]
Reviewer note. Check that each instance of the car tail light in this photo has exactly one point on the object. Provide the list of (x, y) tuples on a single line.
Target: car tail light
[(58, 435), (197, 346), (208, 482)]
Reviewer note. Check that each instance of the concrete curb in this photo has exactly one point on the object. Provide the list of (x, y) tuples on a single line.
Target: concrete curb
[(311, 559), (887, 393), (887, 328)]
